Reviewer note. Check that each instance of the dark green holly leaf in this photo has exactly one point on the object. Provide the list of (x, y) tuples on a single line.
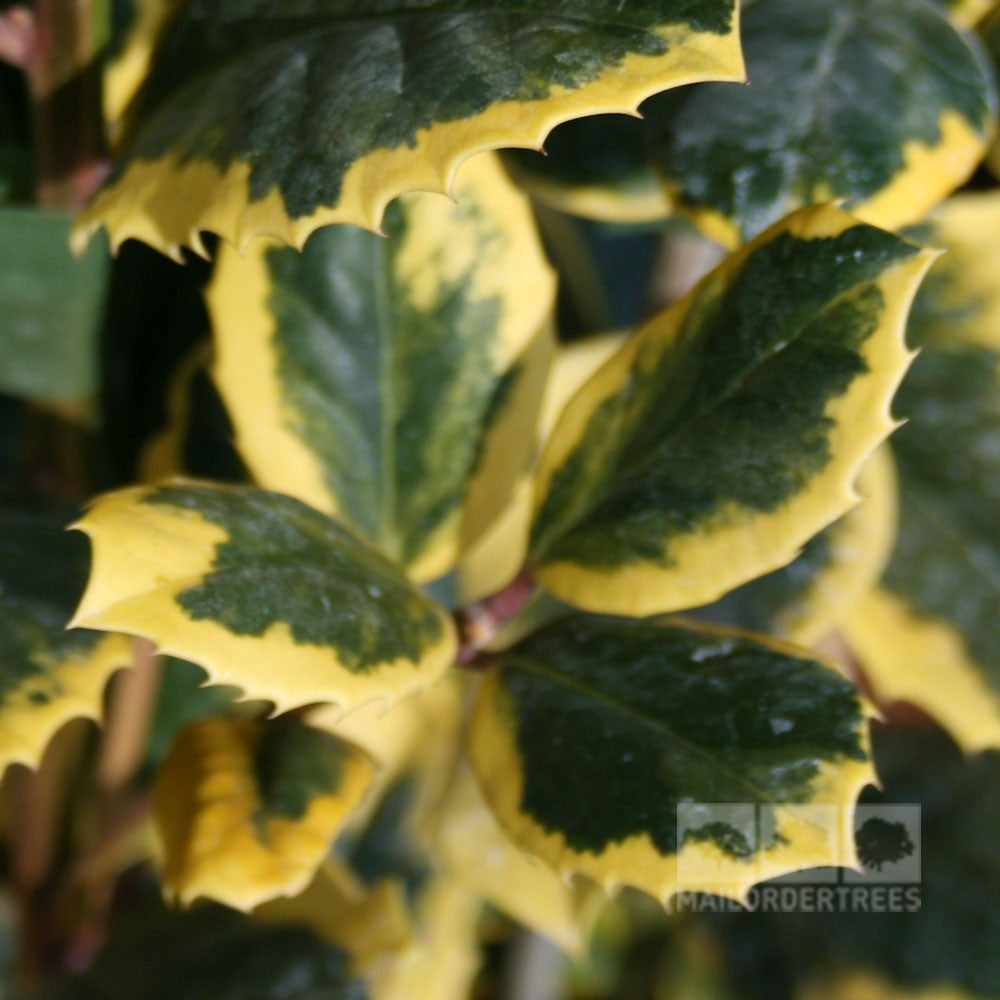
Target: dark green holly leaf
[(882, 103), (594, 731), (212, 953)]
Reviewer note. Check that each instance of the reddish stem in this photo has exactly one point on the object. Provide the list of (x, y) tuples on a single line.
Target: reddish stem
[(478, 623)]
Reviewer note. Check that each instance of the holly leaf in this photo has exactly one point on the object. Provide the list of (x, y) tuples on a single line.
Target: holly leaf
[(929, 634), (394, 383), (805, 600), (644, 717), (258, 119), (236, 580), (730, 429), (48, 675), (248, 810), (884, 104)]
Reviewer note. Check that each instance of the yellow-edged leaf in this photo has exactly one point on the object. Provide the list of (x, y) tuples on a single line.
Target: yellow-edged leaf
[(394, 383), (730, 429), (476, 851), (882, 104), (277, 121), (669, 757), (263, 592), (930, 634), (248, 810), (495, 559)]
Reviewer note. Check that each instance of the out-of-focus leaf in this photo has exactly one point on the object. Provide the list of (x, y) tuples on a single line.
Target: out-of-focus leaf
[(494, 561), (394, 383), (50, 307), (239, 580), (48, 675), (135, 29), (211, 953), (248, 810), (480, 855), (593, 731), (882, 103), (267, 119), (930, 634), (197, 437), (731, 428)]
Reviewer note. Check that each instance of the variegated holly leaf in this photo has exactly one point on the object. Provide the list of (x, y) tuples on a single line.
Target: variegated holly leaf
[(730, 429), (609, 746), (264, 119), (394, 383), (803, 601), (959, 302), (597, 168), (882, 103), (48, 675), (402, 949), (931, 633), (247, 810), (263, 592)]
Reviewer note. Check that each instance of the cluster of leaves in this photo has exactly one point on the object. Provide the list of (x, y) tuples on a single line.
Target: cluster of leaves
[(433, 579)]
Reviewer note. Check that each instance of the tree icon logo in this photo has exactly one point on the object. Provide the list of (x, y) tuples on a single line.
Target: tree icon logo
[(881, 841)]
